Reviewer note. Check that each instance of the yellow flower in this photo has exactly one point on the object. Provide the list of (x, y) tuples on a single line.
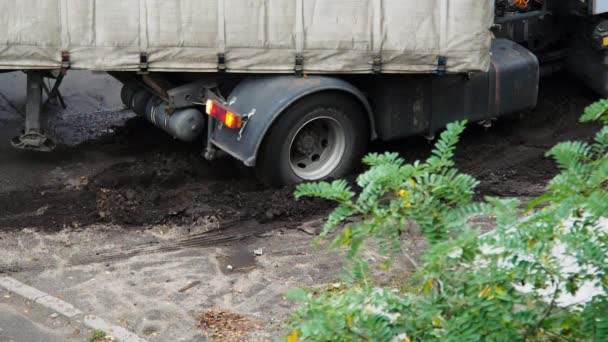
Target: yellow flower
[(407, 339), (484, 292), (606, 280), (531, 243), (407, 205), (437, 320), (346, 236), (429, 285), (293, 337), (349, 320), (547, 261), (499, 290), (412, 182), (404, 193), (347, 232)]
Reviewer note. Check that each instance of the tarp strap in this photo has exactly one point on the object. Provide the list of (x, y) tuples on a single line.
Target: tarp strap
[(65, 62), (442, 63), (65, 32), (299, 65), (377, 64), (221, 62), (143, 32), (143, 63), (65, 37), (444, 7), (299, 38), (221, 35), (377, 36)]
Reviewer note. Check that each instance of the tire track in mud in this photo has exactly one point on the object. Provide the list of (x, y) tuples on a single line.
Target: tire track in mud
[(228, 231), (137, 178)]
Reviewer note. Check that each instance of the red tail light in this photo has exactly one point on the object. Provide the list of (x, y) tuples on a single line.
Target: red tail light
[(222, 114)]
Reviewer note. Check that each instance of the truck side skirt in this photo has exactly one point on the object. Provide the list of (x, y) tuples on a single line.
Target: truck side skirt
[(406, 105)]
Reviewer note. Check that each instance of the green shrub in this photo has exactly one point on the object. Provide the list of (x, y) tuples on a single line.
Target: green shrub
[(97, 336), (516, 283)]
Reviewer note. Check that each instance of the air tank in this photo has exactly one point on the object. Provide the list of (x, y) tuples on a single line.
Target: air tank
[(185, 124)]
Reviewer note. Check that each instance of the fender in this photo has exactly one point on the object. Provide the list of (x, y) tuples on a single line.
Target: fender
[(265, 99)]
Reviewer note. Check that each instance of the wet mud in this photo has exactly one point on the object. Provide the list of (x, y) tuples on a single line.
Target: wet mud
[(115, 168)]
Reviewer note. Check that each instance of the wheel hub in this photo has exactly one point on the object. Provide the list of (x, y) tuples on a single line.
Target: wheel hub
[(306, 143), (317, 148)]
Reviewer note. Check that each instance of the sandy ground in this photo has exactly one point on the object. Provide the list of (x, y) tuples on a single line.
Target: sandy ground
[(122, 217)]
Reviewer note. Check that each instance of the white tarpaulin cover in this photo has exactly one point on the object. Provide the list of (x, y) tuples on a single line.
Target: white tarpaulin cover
[(254, 35)]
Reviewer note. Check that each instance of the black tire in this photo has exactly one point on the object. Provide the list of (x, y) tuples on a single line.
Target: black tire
[(126, 95), (274, 166)]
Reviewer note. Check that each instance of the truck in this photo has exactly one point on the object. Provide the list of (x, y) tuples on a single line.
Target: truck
[(296, 89)]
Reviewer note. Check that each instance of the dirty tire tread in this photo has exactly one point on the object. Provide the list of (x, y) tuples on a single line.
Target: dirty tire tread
[(274, 171)]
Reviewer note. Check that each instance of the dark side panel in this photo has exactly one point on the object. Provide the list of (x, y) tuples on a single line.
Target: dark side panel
[(411, 104)]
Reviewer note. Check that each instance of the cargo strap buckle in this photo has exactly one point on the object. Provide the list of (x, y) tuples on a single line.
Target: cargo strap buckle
[(221, 62), (377, 65), (299, 67), (442, 63), (143, 63), (65, 62)]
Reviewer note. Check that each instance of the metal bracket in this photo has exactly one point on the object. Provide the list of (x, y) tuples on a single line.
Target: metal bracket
[(246, 119), (188, 94), (299, 66), (157, 85), (221, 62), (377, 65), (33, 141), (53, 94), (143, 63)]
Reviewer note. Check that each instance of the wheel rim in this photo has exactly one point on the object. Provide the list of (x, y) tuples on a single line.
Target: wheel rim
[(317, 148)]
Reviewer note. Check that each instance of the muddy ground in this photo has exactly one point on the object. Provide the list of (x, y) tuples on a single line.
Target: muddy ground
[(114, 168), (121, 215)]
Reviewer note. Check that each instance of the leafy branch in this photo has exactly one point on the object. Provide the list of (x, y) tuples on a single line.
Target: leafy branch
[(467, 285)]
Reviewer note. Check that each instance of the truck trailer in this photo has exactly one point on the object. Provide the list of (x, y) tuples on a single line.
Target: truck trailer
[(296, 89)]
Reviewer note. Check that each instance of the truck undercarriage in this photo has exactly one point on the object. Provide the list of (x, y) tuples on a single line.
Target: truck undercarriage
[(309, 127)]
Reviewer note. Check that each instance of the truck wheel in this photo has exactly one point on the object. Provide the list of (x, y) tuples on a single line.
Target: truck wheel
[(126, 95), (319, 137)]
